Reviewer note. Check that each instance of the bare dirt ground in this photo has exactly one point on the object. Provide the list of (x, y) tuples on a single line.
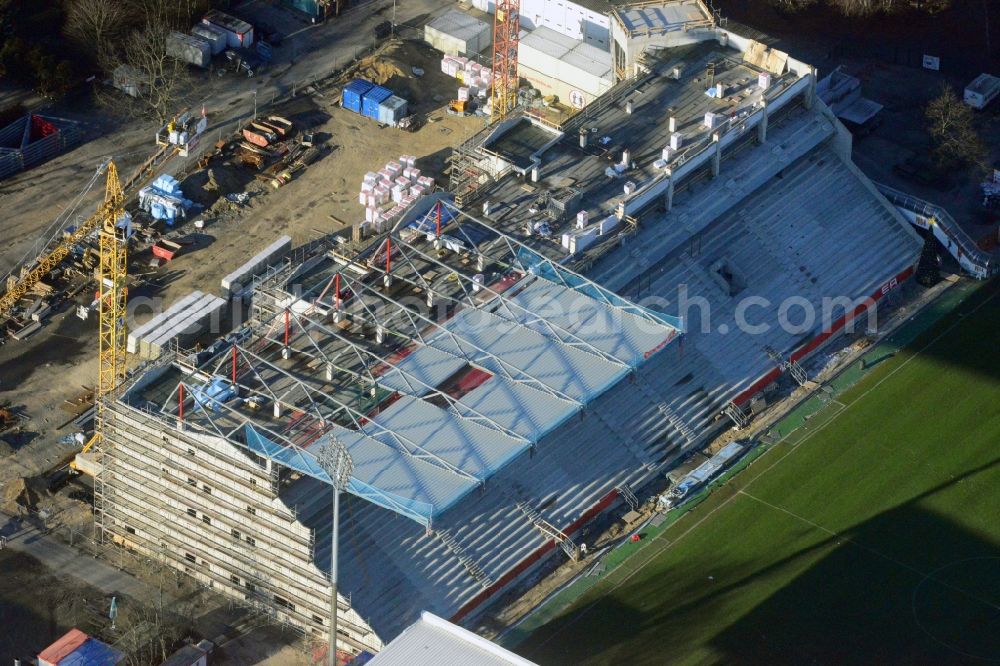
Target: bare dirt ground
[(40, 373)]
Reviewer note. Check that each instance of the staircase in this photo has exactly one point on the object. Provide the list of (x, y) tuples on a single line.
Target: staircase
[(657, 399), (470, 564), (628, 496), (550, 530)]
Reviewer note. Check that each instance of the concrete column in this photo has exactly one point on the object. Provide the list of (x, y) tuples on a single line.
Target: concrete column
[(669, 196), (628, 107), (536, 171), (810, 95), (672, 124), (717, 157), (762, 126)]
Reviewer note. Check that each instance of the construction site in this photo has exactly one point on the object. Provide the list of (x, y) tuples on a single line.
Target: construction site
[(437, 393)]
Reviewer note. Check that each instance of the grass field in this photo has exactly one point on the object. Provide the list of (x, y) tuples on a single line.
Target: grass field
[(873, 539)]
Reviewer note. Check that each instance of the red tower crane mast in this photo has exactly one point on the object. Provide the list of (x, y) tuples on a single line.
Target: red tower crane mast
[(506, 29)]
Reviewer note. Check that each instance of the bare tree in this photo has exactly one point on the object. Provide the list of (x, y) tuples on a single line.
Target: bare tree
[(952, 126), (867, 7), (160, 80), (95, 24)]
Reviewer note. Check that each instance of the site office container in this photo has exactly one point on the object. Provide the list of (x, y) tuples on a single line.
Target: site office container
[(354, 92), (191, 49), (370, 102), (392, 110), (216, 38), (238, 33)]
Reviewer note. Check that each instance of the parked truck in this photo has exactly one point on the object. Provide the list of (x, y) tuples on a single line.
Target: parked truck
[(981, 91)]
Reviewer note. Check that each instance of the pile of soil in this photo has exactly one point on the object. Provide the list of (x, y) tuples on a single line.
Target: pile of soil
[(384, 68), (17, 493)]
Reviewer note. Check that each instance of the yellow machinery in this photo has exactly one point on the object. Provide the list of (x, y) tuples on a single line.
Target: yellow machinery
[(111, 300), (43, 265)]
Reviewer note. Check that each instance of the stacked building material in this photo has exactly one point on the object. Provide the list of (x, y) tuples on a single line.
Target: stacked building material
[(234, 283), (164, 199), (184, 320), (399, 182), (475, 78)]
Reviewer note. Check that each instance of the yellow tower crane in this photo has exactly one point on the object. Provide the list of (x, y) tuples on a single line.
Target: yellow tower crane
[(112, 295)]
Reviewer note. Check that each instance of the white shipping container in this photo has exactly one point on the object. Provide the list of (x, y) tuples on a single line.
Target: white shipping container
[(581, 219)]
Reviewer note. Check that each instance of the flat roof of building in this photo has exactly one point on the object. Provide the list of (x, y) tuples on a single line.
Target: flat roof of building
[(574, 52), (432, 641), (651, 18)]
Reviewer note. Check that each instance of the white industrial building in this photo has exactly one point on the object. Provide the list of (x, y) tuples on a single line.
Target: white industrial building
[(585, 20), (458, 34), (573, 70)]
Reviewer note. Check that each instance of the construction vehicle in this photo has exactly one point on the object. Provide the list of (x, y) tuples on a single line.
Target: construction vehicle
[(458, 107), (112, 334)]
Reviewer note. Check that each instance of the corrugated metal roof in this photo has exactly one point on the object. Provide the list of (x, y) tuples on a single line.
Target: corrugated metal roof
[(425, 364), (432, 641), (391, 471), (459, 25), (626, 337), (568, 370), (473, 448), (527, 411)]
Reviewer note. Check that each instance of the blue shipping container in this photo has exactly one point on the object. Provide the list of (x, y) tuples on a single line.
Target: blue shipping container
[(392, 110), (371, 100), (353, 92)]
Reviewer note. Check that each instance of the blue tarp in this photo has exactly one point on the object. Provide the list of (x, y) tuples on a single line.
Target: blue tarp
[(216, 392)]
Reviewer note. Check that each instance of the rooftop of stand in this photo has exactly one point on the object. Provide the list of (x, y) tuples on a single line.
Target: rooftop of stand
[(518, 202), (429, 401)]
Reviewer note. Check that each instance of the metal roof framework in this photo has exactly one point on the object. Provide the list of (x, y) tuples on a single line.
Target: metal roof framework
[(456, 445)]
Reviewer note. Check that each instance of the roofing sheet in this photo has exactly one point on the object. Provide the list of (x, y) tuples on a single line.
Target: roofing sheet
[(404, 480), (476, 449), (660, 18), (568, 370), (628, 338), (527, 411), (573, 52), (425, 364), (434, 641)]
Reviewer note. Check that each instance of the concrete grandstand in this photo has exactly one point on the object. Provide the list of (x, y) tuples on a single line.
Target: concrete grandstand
[(499, 378)]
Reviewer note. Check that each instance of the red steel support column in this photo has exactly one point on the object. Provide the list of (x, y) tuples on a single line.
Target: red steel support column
[(287, 326), (180, 401), (234, 364)]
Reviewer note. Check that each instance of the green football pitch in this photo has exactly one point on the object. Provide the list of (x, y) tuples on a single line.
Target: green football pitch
[(872, 538)]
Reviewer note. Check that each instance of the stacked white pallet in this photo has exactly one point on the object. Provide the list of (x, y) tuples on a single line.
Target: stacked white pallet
[(136, 335), (234, 283), (184, 319)]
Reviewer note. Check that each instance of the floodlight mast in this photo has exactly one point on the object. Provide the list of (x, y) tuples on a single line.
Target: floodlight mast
[(337, 463)]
